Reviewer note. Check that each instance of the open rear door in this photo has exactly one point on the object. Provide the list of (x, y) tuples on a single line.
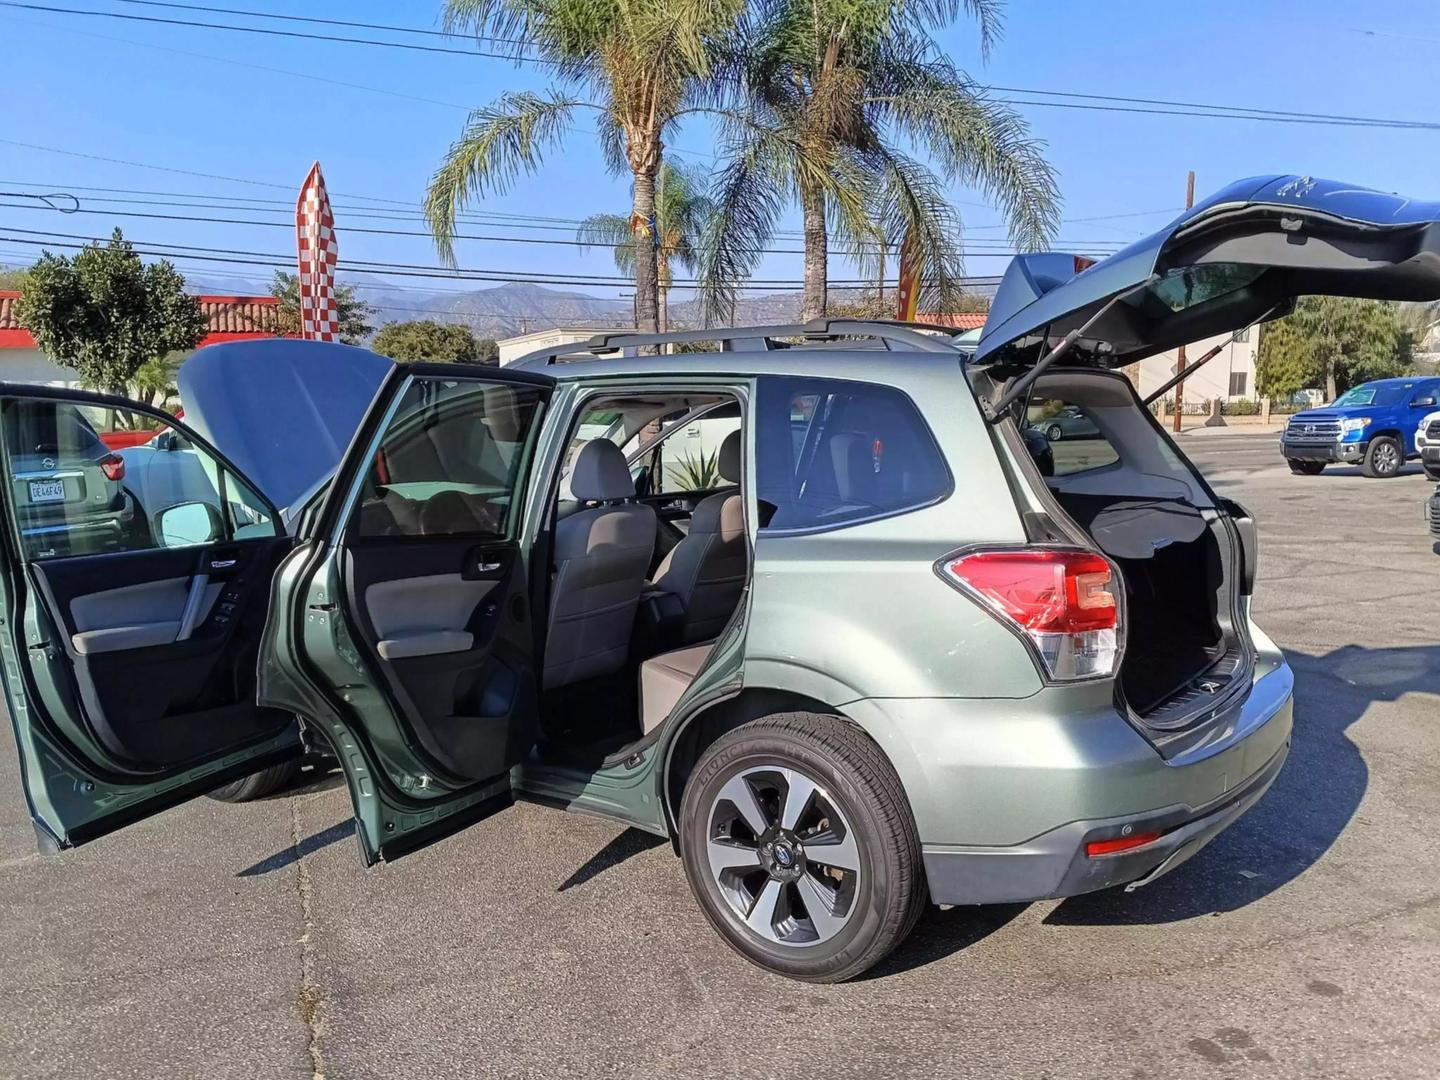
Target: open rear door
[(404, 623), (133, 586), (1243, 255)]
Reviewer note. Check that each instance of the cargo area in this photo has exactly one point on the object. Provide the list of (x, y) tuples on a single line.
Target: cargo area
[(1174, 587), (1120, 480)]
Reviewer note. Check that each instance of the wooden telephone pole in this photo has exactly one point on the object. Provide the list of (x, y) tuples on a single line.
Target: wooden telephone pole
[(1180, 352)]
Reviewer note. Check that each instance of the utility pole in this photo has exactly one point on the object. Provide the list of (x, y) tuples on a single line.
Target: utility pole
[(1180, 352)]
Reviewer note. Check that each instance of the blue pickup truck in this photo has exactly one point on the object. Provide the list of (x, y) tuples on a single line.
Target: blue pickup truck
[(1371, 425)]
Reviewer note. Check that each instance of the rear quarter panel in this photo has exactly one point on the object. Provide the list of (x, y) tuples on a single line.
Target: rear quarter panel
[(859, 612)]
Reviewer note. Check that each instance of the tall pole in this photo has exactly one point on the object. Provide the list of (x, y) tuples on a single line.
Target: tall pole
[(1180, 352)]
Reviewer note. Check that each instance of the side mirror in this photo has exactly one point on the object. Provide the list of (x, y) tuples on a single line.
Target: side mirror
[(187, 524), (1427, 402)]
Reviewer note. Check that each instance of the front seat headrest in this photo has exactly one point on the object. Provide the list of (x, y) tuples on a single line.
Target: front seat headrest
[(600, 473), (728, 462)]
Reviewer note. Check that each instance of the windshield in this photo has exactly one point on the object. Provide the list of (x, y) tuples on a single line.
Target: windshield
[(1373, 394)]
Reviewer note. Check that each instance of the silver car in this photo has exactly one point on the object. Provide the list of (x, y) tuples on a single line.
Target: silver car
[(873, 659)]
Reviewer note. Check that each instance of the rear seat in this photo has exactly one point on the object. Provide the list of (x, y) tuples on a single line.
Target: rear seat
[(664, 678)]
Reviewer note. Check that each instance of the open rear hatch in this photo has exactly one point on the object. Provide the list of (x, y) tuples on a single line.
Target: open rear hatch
[(1059, 323)]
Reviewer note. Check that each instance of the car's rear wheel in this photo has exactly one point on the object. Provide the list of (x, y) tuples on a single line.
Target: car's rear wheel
[(258, 784), (1383, 457), (1306, 468), (800, 847)]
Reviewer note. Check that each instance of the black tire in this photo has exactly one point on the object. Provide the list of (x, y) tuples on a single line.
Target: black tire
[(852, 772), (1305, 468), (1384, 457), (1433, 472), (258, 784), (1054, 433)]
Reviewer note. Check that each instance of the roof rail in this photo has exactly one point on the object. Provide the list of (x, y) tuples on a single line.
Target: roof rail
[(919, 337)]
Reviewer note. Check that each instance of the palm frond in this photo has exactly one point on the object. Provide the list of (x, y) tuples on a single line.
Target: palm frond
[(500, 143), (912, 201), (612, 231), (980, 142)]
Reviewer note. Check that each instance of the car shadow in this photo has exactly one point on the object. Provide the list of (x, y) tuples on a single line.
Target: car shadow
[(1298, 820), (341, 830), (941, 933), (628, 844)]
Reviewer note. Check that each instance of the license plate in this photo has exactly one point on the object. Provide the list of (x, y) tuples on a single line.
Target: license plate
[(43, 491)]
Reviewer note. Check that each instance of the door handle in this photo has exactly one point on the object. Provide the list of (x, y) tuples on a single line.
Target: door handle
[(222, 564), (487, 567)]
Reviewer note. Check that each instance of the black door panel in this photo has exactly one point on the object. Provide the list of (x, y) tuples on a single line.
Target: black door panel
[(446, 620), (162, 705)]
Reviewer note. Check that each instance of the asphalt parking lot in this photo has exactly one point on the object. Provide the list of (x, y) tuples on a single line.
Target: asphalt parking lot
[(247, 941)]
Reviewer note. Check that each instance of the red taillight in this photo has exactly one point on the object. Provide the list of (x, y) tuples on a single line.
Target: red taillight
[(113, 466), (1120, 843), (1063, 600)]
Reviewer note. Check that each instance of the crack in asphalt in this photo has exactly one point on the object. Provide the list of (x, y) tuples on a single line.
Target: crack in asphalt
[(308, 999)]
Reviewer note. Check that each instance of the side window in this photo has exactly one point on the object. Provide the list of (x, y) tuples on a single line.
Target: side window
[(88, 479), (689, 456), (449, 461), (1075, 440), (830, 452)]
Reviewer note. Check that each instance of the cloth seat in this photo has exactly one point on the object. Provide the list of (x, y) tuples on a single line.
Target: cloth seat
[(601, 557), (707, 569)]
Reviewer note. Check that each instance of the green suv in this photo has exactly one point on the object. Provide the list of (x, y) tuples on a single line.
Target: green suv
[(803, 605)]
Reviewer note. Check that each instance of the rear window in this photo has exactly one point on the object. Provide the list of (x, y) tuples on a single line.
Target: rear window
[(831, 452)]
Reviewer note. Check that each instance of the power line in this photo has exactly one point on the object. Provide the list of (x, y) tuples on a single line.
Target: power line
[(270, 31), (297, 18), (284, 261), (1078, 100), (1092, 249), (493, 219)]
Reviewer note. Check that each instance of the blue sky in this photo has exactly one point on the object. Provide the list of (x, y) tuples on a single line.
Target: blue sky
[(110, 88)]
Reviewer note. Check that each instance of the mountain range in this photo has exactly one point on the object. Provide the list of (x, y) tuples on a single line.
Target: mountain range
[(518, 307)]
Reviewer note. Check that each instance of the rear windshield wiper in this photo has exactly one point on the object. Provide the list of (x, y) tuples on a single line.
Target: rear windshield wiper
[(1022, 384)]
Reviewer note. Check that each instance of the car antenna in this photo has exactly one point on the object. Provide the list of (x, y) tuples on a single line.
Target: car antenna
[(1023, 384), (1189, 369)]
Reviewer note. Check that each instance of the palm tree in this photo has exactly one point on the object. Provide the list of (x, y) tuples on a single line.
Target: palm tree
[(851, 82), (681, 209), (641, 62)]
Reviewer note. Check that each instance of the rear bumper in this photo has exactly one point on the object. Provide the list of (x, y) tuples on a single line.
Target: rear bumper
[(1055, 863), (1332, 452)]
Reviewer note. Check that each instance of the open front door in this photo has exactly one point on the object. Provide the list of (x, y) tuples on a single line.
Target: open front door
[(133, 588), (404, 623)]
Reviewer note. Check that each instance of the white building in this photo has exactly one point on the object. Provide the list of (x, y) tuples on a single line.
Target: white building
[(512, 348), (1229, 376)]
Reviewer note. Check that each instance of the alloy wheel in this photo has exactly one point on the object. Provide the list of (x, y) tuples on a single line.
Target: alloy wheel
[(1387, 458), (783, 856)]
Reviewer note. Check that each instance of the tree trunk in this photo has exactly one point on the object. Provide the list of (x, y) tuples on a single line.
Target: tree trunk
[(1331, 391), (812, 204), (647, 275)]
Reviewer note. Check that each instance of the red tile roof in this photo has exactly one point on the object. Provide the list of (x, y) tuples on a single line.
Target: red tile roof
[(961, 320), (230, 317)]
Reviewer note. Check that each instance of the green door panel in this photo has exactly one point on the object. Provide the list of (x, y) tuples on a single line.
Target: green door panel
[(309, 664), (108, 736), (409, 503)]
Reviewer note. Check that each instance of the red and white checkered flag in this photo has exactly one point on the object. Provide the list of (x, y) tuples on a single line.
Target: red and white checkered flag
[(318, 251)]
